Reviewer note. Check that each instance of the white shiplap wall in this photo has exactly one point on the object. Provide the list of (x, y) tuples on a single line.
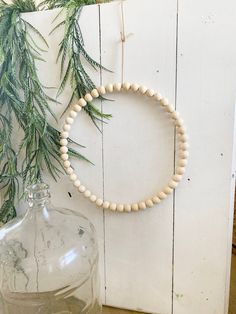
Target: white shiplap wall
[(174, 258)]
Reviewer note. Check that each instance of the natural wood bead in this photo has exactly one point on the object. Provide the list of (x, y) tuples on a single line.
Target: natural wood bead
[(87, 193), (179, 122), (93, 198), (66, 127), (88, 97), (127, 207), (142, 89), (66, 164), (69, 120), (149, 203), (94, 93), (113, 206), (167, 190), (120, 207), (101, 90), (73, 177), (156, 200), (82, 102), (142, 205), (175, 115), (82, 188), (180, 170), (184, 154), (64, 156), (64, 134), (63, 142), (63, 149), (109, 88), (173, 184), (164, 102), (184, 146), (182, 162), (177, 177), (158, 96), (181, 130), (73, 114), (77, 108), (183, 138), (162, 195), (77, 183), (135, 87), (150, 92), (135, 207), (126, 86), (170, 108), (117, 87), (106, 205), (69, 170), (99, 202)]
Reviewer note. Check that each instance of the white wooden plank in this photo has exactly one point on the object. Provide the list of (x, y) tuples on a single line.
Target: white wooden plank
[(83, 130), (139, 155), (206, 96)]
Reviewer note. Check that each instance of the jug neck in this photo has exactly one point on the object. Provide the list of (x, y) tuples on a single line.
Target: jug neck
[(38, 195)]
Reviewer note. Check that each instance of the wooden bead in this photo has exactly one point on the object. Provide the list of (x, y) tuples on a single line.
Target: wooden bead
[(142, 205), (99, 202), (64, 156), (73, 177), (170, 108), (126, 86), (135, 207), (88, 97), (164, 102), (177, 177), (117, 87), (113, 206), (69, 170), (162, 195), (173, 184), (106, 205), (101, 90), (142, 89), (120, 207), (64, 135), (63, 149), (94, 93), (149, 203), (73, 114), (156, 200), (93, 198), (184, 146), (179, 122), (77, 183), (66, 127), (181, 130), (158, 96), (82, 102), (183, 138), (69, 120), (150, 92), (182, 162), (184, 154), (175, 115), (167, 190), (127, 207), (66, 164), (82, 188), (135, 87), (109, 88), (87, 193), (77, 108), (180, 170), (63, 142)]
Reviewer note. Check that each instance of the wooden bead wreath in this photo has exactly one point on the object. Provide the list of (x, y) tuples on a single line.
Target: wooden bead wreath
[(182, 147)]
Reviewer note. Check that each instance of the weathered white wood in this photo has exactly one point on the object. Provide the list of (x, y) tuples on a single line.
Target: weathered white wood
[(139, 155), (206, 97)]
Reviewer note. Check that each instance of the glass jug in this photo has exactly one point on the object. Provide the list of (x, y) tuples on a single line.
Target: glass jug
[(48, 260)]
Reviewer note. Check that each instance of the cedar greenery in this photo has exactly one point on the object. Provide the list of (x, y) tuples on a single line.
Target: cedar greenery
[(24, 103)]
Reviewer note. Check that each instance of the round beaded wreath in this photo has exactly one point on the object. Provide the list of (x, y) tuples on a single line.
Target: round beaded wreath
[(182, 147)]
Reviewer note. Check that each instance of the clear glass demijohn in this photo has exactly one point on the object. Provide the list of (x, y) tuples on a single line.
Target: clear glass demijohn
[(48, 260)]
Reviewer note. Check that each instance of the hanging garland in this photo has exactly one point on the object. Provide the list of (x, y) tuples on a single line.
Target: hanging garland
[(23, 98), (171, 184)]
